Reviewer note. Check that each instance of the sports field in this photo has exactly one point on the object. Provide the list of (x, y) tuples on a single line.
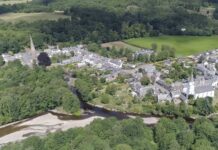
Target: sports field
[(184, 45), (31, 17)]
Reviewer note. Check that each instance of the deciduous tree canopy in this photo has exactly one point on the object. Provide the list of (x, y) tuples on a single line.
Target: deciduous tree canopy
[(25, 92)]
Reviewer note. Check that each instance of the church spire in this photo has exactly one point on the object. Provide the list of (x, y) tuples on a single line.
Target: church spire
[(191, 85), (32, 46), (32, 51)]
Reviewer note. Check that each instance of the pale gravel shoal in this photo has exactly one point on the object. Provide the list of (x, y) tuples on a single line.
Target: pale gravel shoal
[(50, 123), (43, 124)]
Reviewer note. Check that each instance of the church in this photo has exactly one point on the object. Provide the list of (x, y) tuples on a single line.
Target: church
[(29, 57), (200, 88)]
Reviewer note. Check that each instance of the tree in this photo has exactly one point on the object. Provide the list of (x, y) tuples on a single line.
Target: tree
[(186, 139), (168, 142), (123, 147), (46, 2), (216, 66), (202, 144), (70, 103), (105, 98), (2, 62), (215, 14), (203, 128), (204, 106), (72, 53), (41, 91), (44, 60), (154, 46), (201, 59), (145, 80), (83, 88), (111, 89)]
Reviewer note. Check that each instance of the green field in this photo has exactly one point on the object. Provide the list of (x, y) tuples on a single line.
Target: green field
[(184, 45), (119, 45), (31, 17), (11, 2)]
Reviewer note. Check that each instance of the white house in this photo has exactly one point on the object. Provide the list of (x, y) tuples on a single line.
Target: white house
[(200, 88)]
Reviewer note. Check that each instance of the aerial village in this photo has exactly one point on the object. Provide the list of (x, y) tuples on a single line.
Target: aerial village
[(202, 85)]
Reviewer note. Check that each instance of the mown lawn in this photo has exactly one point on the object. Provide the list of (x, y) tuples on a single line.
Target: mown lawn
[(31, 17), (184, 45)]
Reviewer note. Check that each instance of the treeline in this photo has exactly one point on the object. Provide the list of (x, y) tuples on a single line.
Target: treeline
[(104, 21), (131, 56), (98, 25), (178, 71), (26, 92), (15, 37), (130, 134)]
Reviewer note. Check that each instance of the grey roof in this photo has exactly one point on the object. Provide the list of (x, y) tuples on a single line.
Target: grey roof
[(149, 68), (144, 52), (212, 59), (203, 89), (164, 96), (163, 84), (183, 97), (175, 93)]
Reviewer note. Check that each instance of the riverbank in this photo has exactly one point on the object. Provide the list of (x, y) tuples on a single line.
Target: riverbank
[(39, 126), (57, 121)]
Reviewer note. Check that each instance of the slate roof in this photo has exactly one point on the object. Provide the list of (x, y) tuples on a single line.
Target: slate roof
[(203, 89)]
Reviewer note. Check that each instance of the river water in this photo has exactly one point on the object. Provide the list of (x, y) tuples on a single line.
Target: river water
[(52, 121)]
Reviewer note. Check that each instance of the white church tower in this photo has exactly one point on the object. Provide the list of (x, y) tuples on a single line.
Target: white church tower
[(191, 86)]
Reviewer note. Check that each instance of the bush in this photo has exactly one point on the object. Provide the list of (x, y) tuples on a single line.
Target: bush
[(105, 99), (145, 80), (111, 89), (70, 103)]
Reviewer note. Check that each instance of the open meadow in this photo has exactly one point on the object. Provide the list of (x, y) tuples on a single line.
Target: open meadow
[(184, 45), (119, 45), (11, 2), (31, 17)]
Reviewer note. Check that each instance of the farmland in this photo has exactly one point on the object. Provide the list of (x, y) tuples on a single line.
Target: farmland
[(30, 17), (119, 45), (184, 45), (11, 2)]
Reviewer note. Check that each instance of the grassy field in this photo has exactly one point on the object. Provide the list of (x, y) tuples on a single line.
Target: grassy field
[(184, 45), (119, 45), (30, 17), (11, 2)]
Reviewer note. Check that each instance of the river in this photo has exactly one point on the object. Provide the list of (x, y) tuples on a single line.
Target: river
[(53, 121)]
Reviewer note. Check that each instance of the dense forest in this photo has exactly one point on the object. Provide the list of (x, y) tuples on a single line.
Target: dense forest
[(104, 21), (26, 92), (131, 134)]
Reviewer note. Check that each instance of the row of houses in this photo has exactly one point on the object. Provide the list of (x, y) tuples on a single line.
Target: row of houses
[(83, 57), (203, 85)]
